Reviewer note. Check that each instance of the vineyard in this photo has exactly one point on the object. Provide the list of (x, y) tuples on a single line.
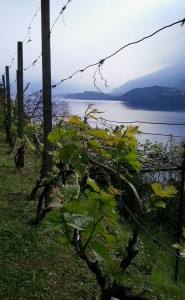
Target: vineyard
[(87, 212), (40, 218)]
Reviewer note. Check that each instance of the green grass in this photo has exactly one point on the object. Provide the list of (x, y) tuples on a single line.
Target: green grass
[(162, 265), (35, 266), (153, 270)]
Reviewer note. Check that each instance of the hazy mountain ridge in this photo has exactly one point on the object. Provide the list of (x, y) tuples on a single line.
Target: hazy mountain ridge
[(160, 90), (89, 95), (171, 76), (155, 98), (149, 98)]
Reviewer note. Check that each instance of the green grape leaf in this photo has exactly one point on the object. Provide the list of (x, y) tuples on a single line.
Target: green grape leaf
[(77, 221), (160, 204), (56, 134), (100, 250)]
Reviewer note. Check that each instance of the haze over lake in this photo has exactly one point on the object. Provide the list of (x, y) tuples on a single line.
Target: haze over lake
[(117, 111)]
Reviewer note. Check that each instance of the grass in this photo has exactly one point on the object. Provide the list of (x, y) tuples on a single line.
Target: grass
[(153, 270), (163, 269), (35, 266)]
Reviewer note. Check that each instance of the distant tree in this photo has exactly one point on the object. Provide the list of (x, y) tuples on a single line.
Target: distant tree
[(34, 109)]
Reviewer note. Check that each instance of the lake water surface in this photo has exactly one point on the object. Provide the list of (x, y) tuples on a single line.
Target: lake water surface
[(117, 111)]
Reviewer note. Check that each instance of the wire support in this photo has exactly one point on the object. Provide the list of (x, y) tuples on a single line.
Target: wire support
[(13, 58), (144, 122), (29, 27), (174, 219), (101, 61), (39, 56), (141, 133), (33, 63), (156, 241), (27, 34), (161, 134), (15, 80), (60, 14)]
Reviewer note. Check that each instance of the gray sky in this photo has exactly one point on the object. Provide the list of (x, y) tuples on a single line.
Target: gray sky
[(90, 30)]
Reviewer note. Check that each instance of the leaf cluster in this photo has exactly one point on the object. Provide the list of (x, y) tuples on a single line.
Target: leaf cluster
[(85, 209)]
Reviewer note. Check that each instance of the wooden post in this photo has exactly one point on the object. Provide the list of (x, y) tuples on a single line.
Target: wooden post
[(8, 117), (5, 108), (179, 233), (16, 99), (4, 87), (20, 91), (20, 101), (46, 82)]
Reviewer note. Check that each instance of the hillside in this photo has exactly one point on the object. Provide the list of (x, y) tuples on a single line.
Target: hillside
[(89, 95), (34, 265), (149, 98), (155, 98), (171, 76)]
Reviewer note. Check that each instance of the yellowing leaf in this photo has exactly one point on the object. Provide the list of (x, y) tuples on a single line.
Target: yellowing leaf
[(95, 111), (99, 133), (93, 143), (183, 231), (93, 117), (168, 191), (157, 188), (76, 120), (114, 191), (93, 184)]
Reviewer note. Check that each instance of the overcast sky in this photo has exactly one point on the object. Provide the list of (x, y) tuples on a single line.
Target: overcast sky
[(90, 30)]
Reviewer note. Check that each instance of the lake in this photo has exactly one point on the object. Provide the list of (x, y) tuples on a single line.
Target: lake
[(117, 111)]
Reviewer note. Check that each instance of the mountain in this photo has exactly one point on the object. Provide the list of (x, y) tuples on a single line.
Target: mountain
[(150, 98), (155, 98), (171, 76), (89, 95), (181, 85)]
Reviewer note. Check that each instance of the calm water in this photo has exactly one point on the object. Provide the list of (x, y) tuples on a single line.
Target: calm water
[(117, 111)]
